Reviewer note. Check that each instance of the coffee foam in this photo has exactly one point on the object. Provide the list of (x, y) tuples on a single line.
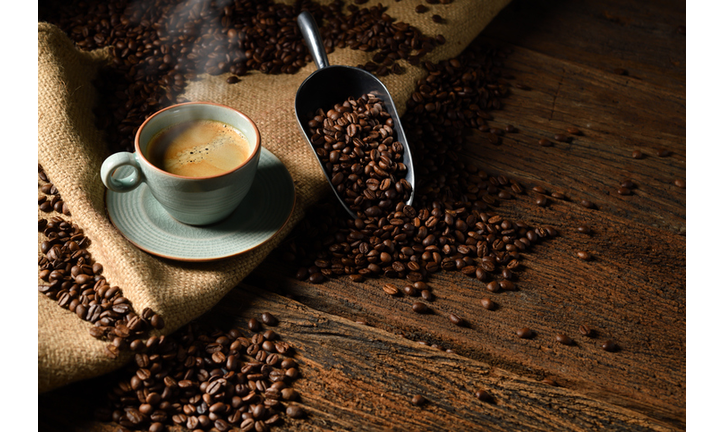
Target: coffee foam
[(198, 148)]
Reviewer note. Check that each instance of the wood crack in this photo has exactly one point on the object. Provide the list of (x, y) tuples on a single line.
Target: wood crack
[(555, 97)]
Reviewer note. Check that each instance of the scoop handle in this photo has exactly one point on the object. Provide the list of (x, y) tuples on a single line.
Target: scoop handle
[(310, 33)]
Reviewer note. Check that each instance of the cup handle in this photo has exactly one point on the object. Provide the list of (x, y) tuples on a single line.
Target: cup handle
[(118, 160)]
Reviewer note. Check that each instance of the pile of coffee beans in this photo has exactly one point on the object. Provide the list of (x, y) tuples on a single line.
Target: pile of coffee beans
[(356, 143), (157, 48), (207, 379), (452, 224), (71, 277)]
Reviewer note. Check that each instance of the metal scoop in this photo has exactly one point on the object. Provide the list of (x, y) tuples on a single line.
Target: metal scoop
[(330, 85)]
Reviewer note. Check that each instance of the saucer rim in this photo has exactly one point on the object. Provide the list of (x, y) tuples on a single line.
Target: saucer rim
[(216, 258)]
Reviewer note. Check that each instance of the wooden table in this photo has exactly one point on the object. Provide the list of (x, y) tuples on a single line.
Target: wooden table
[(615, 70)]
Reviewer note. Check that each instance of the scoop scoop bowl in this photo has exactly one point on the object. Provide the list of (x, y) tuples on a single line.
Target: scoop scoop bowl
[(333, 84)]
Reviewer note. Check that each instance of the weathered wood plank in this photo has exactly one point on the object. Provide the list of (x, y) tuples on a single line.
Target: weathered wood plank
[(355, 377), (643, 38)]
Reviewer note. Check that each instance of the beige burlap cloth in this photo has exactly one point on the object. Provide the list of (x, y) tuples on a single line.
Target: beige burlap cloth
[(71, 150)]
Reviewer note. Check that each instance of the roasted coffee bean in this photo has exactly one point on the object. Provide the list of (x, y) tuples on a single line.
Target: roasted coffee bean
[(560, 137), (583, 229), (410, 291), (544, 142), (680, 183), (585, 256), (507, 285), (573, 130), (623, 191), (427, 295), (269, 319), (420, 307), (487, 303), (637, 154), (493, 286), (455, 319), (484, 396), (541, 201), (421, 9), (295, 411), (390, 289), (564, 339), (663, 153), (524, 333), (253, 325), (610, 346), (588, 204), (419, 400), (586, 330)]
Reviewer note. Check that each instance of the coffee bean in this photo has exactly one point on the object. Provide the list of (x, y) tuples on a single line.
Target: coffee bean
[(564, 339), (488, 304), (583, 229), (419, 400), (560, 137), (232, 79), (585, 256), (573, 130), (253, 325), (420, 307), (295, 412), (484, 396), (317, 278), (544, 142), (421, 9), (456, 320), (427, 295), (525, 333), (410, 291), (680, 183), (437, 19), (663, 153), (541, 201), (588, 204), (390, 289), (493, 286), (610, 346), (507, 285), (637, 154), (623, 191), (586, 330)]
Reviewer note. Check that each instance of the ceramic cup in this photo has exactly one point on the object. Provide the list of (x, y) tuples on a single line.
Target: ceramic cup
[(191, 200)]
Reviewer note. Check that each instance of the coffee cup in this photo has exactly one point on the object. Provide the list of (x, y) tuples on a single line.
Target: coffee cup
[(198, 160)]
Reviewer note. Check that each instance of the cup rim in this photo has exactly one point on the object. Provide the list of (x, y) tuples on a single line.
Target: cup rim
[(252, 154)]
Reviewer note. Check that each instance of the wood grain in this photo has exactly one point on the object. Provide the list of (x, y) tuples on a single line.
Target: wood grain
[(359, 378)]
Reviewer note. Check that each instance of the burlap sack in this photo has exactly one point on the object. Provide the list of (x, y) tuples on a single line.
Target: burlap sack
[(71, 151)]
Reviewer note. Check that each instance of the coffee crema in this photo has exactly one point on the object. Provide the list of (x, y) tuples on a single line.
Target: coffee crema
[(198, 148)]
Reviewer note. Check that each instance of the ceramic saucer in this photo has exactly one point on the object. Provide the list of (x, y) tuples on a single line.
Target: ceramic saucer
[(262, 213)]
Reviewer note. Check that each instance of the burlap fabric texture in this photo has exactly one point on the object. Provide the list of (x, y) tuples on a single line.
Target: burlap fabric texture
[(71, 151)]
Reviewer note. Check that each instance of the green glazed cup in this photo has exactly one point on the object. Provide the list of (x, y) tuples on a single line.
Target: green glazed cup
[(191, 200)]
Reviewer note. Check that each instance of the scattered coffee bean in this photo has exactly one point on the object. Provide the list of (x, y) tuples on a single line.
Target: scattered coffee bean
[(419, 400), (484, 396), (583, 229), (623, 191), (627, 183), (560, 137), (410, 291), (488, 304), (637, 154), (680, 183), (437, 19), (610, 346), (559, 196), (588, 204), (507, 285), (524, 333), (585, 256), (421, 9), (493, 286), (269, 319), (586, 330), (420, 307), (663, 153), (544, 142), (295, 412), (573, 130), (456, 320), (233, 79), (564, 339), (541, 201), (427, 295)]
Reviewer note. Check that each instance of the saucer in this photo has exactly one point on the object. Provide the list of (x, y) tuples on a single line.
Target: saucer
[(263, 212)]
